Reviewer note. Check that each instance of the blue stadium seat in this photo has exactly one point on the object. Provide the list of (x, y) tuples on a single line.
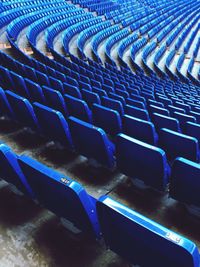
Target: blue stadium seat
[(92, 142), (90, 97), (178, 145), (137, 112), (162, 121), (35, 91), (70, 200), (78, 108), (5, 108), (139, 129), (183, 118), (23, 110), (53, 124), (10, 170), (142, 241), (107, 119), (193, 129), (156, 109), (72, 90), (139, 160), (185, 182), (113, 104)]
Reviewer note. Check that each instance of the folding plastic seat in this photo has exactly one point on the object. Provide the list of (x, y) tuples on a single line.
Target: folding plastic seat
[(42, 78), (173, 109), (72, 81), (35, 91), (122, 93), (98, 91), (186, 107), (53, 124), (193, 129), (30, 73), (10, 170), (5, 78), (164, 100), (137, 112), (107, 119), (92, 142), (95, 83), (113, 104), (161, 121), (140, 160), (142, 241), (5, 108), (78, 108), (155, 103), (70, 200), (55, 100), (108, 82), (117, 97), (139, 129), (108, 88), (196, 115), (86, 86), (135, 103), (56, 84), (90, 97), (138, 98), (156, 109), (23, 110), (178, 145), (183, 118), (19, 85), (72, 90), (185, 182)]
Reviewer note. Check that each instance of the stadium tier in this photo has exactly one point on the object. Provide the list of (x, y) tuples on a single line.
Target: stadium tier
[(116, 83)]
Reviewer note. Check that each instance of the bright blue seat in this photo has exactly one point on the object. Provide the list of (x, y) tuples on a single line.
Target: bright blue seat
[(107, 119), (10, 170), (140, 160), (23, 110), (137, 112), (92, 142), (142, 241), (55, 100), (78, 108), (178, 145), (185, 182), (162, 121), (53, 124), (139, 129), (63, 196)]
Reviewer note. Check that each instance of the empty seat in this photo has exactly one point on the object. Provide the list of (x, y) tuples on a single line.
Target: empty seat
[(185, 182), (78, 108), (135, 103), (23, 110), (35, 91), (139, 129), (90, 97), (107, 119), (162, 121), (193, 129), (139, 160), (71, 90), (137, 112), (113, 104), (178, 145), (156, 109), (11, 172), (63, 196), (142, 241), (53, 124), (5, 108), (92, 142), (183, 118)]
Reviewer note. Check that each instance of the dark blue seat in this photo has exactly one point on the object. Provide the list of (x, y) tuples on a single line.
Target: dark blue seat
[(137, 112), (139, 129), (35, 91), (72, 90), (53, 124), (92, 142), (113, 104), (56, 84), (178, 145), (23, 110), (11, 172), (5, 108), (139, 160), (63, 196), (107, 119), (185, 182), (19, 85), (135, 103), (193, 129), (183, 118), (55, 100), (173, 109), (161, 121), (156, 109), (142, 241), (90, 97), (78, 108)]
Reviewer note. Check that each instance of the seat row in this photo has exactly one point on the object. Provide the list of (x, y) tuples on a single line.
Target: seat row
[(128, 233)]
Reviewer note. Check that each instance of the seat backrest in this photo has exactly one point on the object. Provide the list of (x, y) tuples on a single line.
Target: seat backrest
[(69, 200), (162, 121), (157, 109), (193, 129), (5, 108), (178, 145), (140, 160), (91, 142), (56, 84), (137, 112), (113, 104), (139, 129), (90, 97), (23, 110), (142, 241), (185, 182), (53, 124), (35, 91), (72, 90), (54, 99), (107, 119), (78, 108), (183, 118), (11, 172)]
